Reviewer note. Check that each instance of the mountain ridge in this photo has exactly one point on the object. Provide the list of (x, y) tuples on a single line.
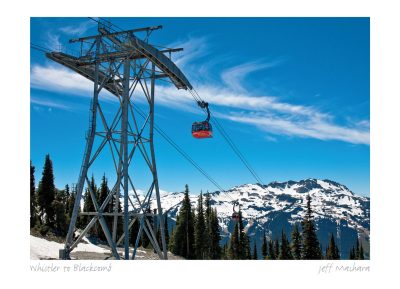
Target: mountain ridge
[(279, 205)]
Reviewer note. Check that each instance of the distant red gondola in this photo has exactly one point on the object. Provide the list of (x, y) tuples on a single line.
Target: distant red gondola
[(235, 215)]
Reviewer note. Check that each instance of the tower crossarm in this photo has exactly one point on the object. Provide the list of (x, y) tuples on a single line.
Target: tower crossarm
[(85, 69), (138, 47)]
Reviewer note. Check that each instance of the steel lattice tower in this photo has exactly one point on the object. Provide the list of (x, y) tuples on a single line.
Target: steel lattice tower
[(121, 63)]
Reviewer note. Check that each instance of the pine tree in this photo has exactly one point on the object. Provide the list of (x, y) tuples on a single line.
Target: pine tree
[(285, 252), (311, 247), (246, 248), (145, 239), (255, 257), (46, 194), (33, 217), (120, 225), (264, 248), (276, 248), (60, 218), (88, 206), (361, 255), (296, 245), (207, 217), (352, 254), (212, 248), (214, 236), (271, 251), (166, 232), (134, 231), (171, 243), (66, 195), (183, 234), (357, 253), (224, 252), (200, 230), (71, 202), (244, 243), (103, 193), (233, 249), (332, 251)]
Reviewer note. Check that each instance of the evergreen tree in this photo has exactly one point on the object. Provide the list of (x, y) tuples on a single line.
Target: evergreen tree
[(183, 234), (244, 242), (120, 225), (296, 243), (60, 218), (352, 254), (88, 206), (134, 233), (271, 251), (171, 243), (71, 203), (103, 193), (145, 239), (246, 248), (166, 233), (207, 217), (239, 244), (200, 230), (212, 248), (224, 252), (264, 248), (33, 198), (255, 257), (276, 248), (233, 250), (332, 251), (215, 235), (66, 195), (285, 253), (359, 252), (361, 255), (46, 194), (311, 247)]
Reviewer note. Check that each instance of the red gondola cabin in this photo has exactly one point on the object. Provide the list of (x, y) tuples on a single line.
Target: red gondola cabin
[(202, 129)]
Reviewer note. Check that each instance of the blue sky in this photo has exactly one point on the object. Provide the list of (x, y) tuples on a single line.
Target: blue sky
[(293, 94)]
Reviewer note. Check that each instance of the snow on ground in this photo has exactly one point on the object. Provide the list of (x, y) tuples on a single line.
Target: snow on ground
[(44, 249)]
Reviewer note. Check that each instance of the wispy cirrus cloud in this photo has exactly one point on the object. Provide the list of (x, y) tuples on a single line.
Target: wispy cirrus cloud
[(50, 103), (229, 100), (53, 41), (193, 49), (79, 28), (235, 76), (307, 127)]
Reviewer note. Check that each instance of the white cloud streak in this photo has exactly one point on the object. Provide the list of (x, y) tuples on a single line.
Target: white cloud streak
[(234, 76), (78, 29), (50, 103), (53, 41), (231, 102)]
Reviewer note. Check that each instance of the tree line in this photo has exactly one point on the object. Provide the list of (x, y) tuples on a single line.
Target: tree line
[(196, 234)]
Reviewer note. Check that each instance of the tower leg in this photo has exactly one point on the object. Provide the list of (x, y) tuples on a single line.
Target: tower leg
[(86, 159), (154, 167), (124, 144)]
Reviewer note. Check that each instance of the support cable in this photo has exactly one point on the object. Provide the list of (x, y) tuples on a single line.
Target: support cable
[(229, 140)]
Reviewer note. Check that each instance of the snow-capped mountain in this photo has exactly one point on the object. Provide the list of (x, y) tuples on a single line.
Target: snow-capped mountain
[(277, 206)]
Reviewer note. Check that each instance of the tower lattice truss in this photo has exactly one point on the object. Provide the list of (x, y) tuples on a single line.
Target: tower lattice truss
[(124, 70)]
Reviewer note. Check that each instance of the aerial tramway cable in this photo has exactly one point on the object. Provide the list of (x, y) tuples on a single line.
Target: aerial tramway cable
[(228, 139)]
